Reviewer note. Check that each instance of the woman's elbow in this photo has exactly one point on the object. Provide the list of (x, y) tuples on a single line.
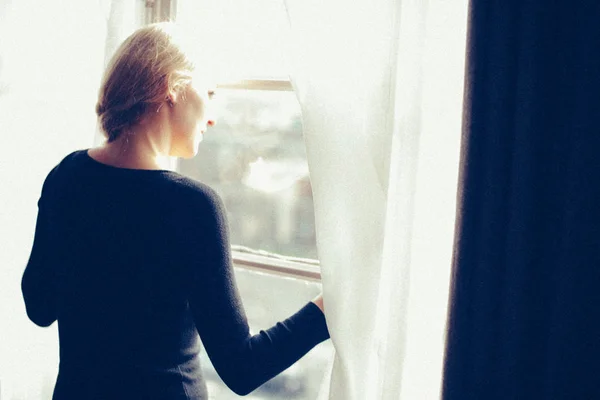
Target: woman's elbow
[(39, 311), (39, 306), (39, 318), (239, 378), (239, 384), (241, 391)]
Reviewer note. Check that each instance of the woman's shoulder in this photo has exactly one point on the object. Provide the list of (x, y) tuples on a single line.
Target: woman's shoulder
[(74, 156), (200, 193), (59, 169), (70, 161)]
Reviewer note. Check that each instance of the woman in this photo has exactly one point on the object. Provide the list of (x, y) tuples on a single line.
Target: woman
[(133, 260)]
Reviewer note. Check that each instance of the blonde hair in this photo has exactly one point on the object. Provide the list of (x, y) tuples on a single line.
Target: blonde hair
[(148, 64)]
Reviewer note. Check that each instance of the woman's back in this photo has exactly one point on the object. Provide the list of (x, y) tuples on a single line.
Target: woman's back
[(134, 264)]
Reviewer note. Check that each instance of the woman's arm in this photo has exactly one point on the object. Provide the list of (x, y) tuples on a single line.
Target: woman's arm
[(38, 284), (243, 361)]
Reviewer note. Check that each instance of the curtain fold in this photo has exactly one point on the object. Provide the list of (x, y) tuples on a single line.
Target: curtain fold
[(380, 87), (524, 309)]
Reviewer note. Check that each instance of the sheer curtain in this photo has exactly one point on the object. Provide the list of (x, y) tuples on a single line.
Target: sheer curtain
[(380, 86), (51, 60)]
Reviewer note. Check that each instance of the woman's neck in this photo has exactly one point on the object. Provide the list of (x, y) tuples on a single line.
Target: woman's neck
[(134, 150)]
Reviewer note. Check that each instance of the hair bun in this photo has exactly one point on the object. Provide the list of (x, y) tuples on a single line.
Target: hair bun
[(115, 120)]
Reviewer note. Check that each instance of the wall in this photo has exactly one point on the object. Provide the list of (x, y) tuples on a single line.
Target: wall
[(51, 58)]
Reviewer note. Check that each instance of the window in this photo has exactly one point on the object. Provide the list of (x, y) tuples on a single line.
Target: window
[(255, 159), (255, 156)]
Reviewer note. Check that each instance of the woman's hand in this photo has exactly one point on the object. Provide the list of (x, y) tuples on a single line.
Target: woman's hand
[(319, 302)]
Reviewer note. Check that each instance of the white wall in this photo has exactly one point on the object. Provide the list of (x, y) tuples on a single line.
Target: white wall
[(52, 56)]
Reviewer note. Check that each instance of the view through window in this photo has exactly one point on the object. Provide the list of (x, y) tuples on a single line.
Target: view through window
[(255, 159)]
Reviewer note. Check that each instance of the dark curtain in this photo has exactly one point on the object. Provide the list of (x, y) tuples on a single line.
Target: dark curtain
[(524, 319)]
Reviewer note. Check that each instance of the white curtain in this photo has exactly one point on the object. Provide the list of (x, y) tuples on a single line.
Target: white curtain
[(51, 60), (380, 86)]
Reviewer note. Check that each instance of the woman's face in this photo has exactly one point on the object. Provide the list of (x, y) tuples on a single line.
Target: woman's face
[(192, 116)]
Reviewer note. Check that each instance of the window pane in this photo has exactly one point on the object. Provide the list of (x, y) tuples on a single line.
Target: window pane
[(269, 299), (255, 159)]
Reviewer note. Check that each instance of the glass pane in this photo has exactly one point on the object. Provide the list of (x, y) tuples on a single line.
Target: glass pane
[(267, 300), (255, 159)]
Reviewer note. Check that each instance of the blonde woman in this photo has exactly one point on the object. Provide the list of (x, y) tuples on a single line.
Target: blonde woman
[(133, 260)]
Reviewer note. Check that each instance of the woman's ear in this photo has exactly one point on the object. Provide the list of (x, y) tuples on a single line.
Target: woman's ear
[(171, 97)]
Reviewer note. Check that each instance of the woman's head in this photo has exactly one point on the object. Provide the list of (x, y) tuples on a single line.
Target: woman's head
[(149, 70)]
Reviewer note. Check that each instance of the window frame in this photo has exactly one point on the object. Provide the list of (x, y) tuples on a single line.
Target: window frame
[(243, 258), (304, 269), (159, 11), (282, 85)]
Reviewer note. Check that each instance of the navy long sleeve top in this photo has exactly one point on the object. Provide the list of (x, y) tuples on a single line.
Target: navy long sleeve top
[(135, 266)]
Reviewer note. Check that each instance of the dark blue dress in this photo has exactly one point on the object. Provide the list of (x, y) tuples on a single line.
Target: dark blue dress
[(135, 266)]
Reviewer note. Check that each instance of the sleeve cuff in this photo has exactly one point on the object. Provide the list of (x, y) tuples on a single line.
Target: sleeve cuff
[(315, 322)]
